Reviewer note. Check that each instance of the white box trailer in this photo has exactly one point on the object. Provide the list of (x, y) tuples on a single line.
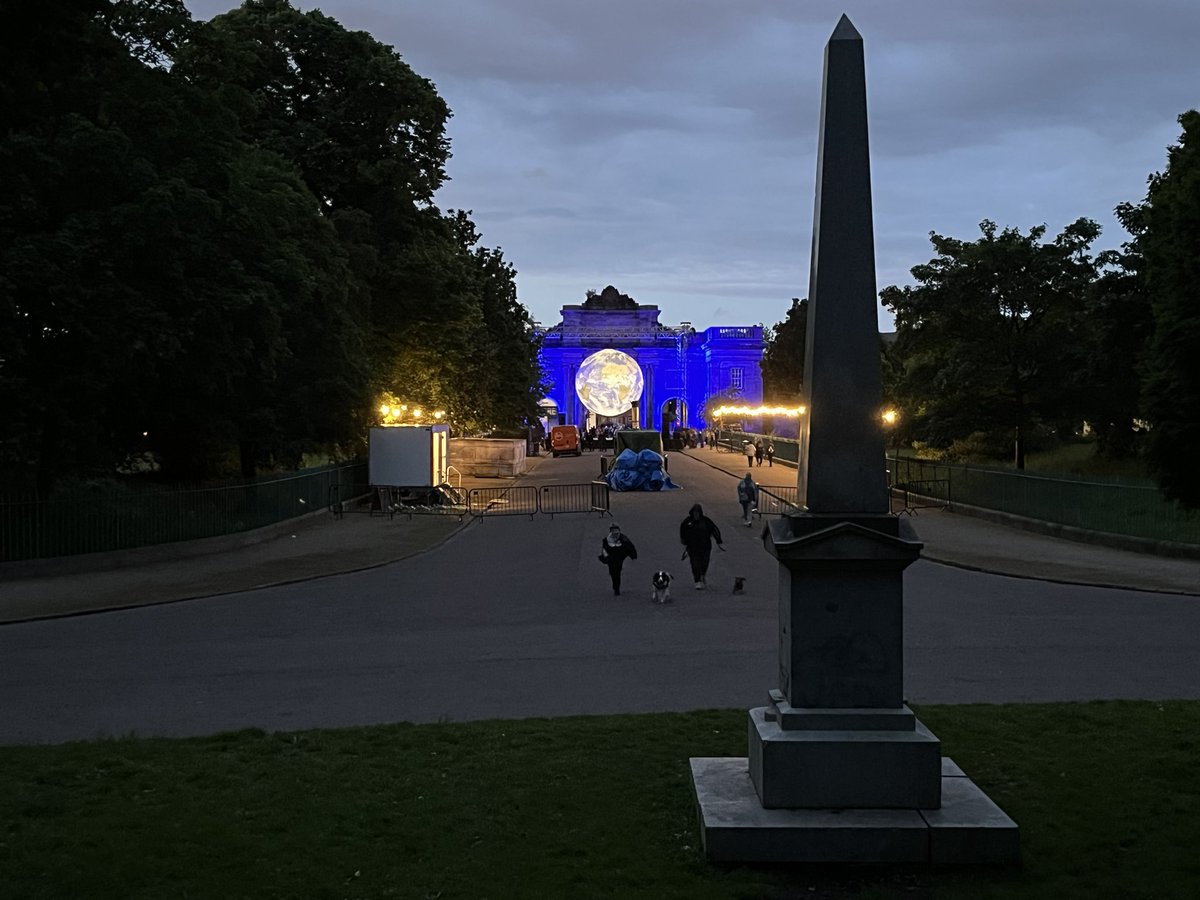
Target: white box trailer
[(408, 455)]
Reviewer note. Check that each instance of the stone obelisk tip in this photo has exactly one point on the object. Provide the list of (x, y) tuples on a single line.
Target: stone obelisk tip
[(845, 30)]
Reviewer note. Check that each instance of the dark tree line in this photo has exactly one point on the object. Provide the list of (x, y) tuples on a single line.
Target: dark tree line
[(1012, 339), (219, 246)]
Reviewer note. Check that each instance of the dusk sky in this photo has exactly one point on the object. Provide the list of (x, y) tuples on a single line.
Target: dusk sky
[(668, 147)]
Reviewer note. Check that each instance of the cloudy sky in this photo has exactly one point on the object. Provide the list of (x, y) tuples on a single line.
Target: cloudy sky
[(668, 147)]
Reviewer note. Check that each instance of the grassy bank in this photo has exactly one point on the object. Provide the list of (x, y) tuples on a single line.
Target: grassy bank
[(1107, 796)]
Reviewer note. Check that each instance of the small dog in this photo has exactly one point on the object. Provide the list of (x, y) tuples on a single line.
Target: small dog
[(661, 581), (739, 585)]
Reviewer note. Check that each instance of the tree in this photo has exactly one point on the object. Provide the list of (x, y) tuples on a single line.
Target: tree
[(365, 130), (161, 275), (783, 359), (368, 134), (987, 334), (1166, 227), (151, 30), (1113, 328), (713, 402), (483, 368)]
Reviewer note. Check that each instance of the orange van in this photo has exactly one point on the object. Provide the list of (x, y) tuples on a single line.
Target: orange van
[(565, 439)]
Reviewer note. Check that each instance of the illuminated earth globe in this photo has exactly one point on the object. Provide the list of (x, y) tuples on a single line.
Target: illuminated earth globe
[(608, 382)]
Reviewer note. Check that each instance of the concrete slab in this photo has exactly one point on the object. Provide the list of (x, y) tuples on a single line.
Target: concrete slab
[(951, 769), (735, 827), (969, 828)]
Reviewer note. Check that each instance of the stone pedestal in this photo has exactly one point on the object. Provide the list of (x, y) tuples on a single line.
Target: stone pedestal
[(848, 769), (837, 732), (839, 769)]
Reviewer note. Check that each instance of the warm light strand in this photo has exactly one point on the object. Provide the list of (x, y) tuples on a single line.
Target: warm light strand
[(393, 413), (755, 411)]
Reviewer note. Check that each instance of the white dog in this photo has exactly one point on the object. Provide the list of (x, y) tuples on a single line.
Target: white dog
[(662, 587)]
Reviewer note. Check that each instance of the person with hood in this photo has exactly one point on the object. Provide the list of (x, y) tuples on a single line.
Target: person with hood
[(614, 550), (747, 492), (696, 533)]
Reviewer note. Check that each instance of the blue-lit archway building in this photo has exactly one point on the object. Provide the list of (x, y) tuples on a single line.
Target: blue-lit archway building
[(678, 362)]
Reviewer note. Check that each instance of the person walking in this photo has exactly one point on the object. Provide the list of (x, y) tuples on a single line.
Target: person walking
[(696, 533), (614, 550), (758, 451), (770, 454), (747, 493), (748, 449)]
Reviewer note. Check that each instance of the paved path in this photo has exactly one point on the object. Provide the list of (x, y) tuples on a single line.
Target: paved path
[(514, 618)]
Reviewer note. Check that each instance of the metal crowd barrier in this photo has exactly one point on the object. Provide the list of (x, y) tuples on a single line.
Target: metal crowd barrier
[(551, 499), (571, 498), (778, 501), (914, 495), (503, 501)]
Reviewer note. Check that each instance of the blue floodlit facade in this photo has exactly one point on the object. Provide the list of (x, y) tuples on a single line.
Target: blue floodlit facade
[(678, 362)]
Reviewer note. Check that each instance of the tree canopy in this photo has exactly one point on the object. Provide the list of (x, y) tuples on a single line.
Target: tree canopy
[(1166, 229), (218, 243), (783, 359), (985, 334)]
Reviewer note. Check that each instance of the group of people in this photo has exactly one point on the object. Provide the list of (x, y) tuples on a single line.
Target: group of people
[(697, 534), (756, 451)]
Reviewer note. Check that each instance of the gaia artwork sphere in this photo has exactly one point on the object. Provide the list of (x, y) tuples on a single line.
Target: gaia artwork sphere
[(608, 382)]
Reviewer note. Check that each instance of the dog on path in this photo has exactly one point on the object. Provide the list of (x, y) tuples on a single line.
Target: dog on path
[(661, 583)]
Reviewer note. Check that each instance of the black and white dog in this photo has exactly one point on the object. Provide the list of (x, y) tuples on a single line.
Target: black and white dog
[(661, 582)]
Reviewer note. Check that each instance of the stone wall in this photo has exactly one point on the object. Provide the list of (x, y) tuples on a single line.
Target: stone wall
[(488, 457)]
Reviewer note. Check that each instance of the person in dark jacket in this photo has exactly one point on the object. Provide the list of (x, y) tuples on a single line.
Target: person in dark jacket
[(747, 494), (696, 533), (614, 550)]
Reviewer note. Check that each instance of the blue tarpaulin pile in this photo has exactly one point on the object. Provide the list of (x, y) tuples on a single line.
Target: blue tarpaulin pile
[(641, 471)]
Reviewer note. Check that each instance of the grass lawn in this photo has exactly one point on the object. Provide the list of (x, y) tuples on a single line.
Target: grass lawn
[(1107, 795)]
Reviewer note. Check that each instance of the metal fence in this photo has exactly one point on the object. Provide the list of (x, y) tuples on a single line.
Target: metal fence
[(503, 501), (906, 497), (778, 501), (552, 500), (105, 517), (1133, 508), (570, 498), (1112, 505)]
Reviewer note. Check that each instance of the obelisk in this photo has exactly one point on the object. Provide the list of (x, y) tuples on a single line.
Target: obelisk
[(841, 443), (839, 769)]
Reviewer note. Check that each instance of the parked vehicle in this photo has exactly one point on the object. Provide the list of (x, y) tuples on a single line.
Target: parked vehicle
[(565, 439)]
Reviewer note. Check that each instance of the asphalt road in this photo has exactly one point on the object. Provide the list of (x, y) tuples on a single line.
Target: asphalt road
[(512, 617)]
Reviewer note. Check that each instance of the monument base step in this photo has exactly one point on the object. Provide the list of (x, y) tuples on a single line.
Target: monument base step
[(968, 828)]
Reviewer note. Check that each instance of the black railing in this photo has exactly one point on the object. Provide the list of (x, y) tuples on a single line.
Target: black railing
[(125, 515)]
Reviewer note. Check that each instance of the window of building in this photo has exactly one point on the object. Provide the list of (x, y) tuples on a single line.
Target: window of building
[(735, 379)]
